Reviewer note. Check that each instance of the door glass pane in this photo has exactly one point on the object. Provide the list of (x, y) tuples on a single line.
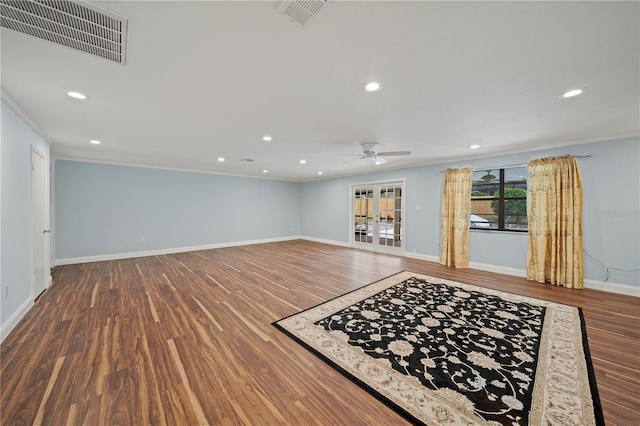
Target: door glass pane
[(390, 202), (383, 209), (397, 216), (363, 212)]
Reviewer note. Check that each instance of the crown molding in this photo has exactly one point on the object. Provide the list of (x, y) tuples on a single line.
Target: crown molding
[(11, 103)]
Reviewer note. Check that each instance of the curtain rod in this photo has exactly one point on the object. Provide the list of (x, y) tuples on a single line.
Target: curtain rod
[(509, 166)]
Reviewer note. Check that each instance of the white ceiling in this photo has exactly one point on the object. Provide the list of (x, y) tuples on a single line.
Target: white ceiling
[(209, 79)]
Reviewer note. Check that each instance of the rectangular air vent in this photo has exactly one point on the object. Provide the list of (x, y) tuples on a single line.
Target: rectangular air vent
[(79, 26), (302, 11)]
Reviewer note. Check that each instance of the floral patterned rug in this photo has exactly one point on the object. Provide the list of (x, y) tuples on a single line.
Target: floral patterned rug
[(443, 352)]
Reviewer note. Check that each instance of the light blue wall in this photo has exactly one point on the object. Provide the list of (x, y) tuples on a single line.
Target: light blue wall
[(15, 255), (325, 207), (107, 209), (611, 219)]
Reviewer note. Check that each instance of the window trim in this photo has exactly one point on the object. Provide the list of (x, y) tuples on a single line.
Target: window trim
[(501, 206)]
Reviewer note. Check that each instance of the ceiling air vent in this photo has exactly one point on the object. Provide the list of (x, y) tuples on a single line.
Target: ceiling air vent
[(302, 11), (82, 27)]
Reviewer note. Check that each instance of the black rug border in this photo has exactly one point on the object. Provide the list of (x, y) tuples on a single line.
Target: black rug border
[(597, 406), (595, 396), (380, 397), (340, 295)]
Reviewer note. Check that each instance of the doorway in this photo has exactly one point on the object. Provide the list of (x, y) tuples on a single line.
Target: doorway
[(378, 216), (39, 229)]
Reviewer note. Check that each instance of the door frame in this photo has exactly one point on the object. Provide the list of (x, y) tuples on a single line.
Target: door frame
[(377, 247), (46, 239)]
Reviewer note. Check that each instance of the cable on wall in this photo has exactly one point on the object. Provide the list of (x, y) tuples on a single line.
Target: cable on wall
[(607, 269)]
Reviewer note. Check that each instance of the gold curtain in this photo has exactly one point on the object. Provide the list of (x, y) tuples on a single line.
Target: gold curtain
[(555, 222), (454, 226)]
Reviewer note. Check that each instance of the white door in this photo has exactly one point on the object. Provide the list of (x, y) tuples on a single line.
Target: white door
[(39, 222), (377, 216)]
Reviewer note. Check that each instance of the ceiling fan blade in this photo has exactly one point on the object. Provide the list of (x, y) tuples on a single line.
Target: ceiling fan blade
[(355, 159), (393, 153)]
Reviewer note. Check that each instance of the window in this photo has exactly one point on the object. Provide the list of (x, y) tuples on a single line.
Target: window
[(499, 199)]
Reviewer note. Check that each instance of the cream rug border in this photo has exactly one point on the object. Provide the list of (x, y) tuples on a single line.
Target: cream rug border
[(562, 387)]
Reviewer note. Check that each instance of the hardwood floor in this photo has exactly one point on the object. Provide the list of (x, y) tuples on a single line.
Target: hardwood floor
[(187, 339)]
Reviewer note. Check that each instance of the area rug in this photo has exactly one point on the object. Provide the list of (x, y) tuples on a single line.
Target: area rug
[(441, 352)]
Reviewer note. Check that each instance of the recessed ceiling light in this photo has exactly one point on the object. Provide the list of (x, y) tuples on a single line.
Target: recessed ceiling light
[(572, 93), (265, 171), (303, 161), (267, 138), (474, 146), (95, 142), (319, 173), (373, 86), (221, 159), (77, 95)]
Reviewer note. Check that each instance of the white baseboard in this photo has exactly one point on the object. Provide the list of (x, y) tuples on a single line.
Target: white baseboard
[(11, 323), (323, 241), (627, 289), (592, 284), (420, 256), (473, 265), (130, 255), (498, 269)]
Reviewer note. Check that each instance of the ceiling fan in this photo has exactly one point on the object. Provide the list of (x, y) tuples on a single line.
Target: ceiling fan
[(378, 157)]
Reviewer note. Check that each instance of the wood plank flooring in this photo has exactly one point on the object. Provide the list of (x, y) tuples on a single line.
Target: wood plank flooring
[(186, 339)]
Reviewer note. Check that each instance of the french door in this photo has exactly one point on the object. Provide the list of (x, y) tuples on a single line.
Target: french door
[(378, 216)]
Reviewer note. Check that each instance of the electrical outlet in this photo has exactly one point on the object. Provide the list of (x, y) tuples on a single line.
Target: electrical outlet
[(6, 291)]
